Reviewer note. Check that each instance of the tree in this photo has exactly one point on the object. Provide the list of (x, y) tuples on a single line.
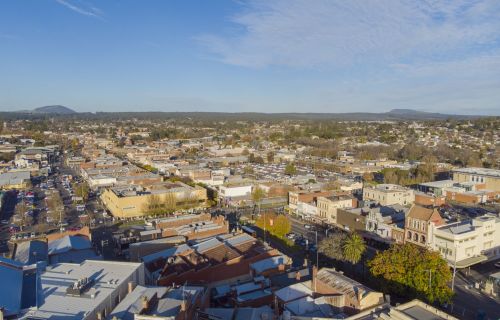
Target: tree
[(75, 144), (277, 225), (281, 226), (270, 157), (353, 248), (82, 190), (368, 176), (408, 270), (290, 169), (332, 246), (55, 207), (153, 205), (257, 194)]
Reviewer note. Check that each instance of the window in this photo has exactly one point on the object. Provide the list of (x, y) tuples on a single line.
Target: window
[(415, 237), (409, 235), (422, 239)]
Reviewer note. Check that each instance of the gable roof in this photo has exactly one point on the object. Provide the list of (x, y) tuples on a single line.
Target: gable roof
[(422, 213), (69, 243)]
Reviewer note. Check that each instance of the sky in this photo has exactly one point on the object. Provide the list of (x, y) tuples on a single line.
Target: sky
[(251, 56)]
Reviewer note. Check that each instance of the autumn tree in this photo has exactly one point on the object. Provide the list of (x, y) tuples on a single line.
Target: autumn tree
[(408, 270), (277, 225)]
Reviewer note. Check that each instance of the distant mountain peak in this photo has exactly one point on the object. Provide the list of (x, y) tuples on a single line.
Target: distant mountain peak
[(55, 109)]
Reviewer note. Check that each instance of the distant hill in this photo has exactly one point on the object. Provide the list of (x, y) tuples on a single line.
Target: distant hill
[(393, 115), (54, 110)]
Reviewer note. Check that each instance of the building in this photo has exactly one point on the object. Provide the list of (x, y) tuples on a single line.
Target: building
[(419, 224), (71, 249), (382, 221), (489, 177), (90, 290), (151, 303), (17, 289), (389, 194), (216, 259), (414, 309), (15, 180), (347, 294), (232, 191), (468, 242), (135, 201), (328, 206), (305, 196)]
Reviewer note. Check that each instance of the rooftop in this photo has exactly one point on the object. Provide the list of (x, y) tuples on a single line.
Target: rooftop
[(54, 302), (479, 171)]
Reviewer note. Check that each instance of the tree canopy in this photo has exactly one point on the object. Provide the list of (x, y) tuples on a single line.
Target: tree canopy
[(409, 270)]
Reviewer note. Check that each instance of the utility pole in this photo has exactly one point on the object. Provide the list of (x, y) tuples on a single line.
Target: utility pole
[(454, 269), (317, 250)]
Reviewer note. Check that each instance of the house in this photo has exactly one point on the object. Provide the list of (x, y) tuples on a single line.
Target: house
[(345, 293), (151, 303), (419, 224)]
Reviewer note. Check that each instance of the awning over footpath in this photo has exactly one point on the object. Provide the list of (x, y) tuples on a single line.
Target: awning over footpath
[(469, 261)]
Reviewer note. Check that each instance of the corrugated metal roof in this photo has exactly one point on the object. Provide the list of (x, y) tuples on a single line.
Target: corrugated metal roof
[(68, 243)]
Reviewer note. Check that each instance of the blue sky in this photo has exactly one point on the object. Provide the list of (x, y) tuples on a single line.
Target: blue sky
[(256, 55)]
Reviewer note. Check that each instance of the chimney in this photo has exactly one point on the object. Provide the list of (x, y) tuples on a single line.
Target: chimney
[(281, 267), (183, 305), (297, 276), (131, 286), (359, 295), (1, 313), (145, 304)]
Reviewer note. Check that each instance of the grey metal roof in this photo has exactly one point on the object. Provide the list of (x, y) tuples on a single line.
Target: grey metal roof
[(268, 263), (68, 243), (29, 252), (54, 303)]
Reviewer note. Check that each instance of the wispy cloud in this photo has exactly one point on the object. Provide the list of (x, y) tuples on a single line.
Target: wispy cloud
[(301, 33), (83, 8)]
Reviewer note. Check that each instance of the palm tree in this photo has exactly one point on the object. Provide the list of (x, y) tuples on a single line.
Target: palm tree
[(354, 247)]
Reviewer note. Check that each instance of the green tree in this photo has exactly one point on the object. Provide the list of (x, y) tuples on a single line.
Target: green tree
[(257, 195), (353, 248), (408, 270), (290, 169)]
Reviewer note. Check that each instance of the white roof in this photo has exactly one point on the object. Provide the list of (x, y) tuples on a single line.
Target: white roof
[(295, 291)]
